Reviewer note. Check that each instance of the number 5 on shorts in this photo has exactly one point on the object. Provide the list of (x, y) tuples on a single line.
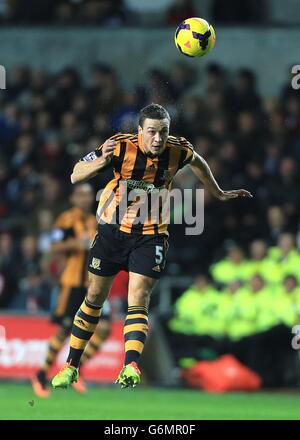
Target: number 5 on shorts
[(159, 254)]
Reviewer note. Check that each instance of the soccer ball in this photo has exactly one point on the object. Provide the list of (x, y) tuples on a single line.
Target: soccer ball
[(195, 37)]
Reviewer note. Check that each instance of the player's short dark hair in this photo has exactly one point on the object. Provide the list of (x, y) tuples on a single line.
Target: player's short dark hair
[(153, 111)]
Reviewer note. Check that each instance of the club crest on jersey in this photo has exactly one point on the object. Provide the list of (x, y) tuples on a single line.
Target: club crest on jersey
[(95, 264)]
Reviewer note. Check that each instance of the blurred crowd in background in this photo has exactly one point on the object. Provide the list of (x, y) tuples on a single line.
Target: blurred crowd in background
[(116, 13), (47, 122)]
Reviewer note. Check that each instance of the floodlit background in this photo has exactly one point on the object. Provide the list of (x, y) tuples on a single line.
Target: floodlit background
[(77, 72)]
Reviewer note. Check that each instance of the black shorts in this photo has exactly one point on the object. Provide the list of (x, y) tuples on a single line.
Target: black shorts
[(68, 302), (114, 250)]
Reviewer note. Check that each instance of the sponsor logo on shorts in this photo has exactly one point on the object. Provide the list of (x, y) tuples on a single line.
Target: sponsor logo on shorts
[(95, 264), (156, 268)]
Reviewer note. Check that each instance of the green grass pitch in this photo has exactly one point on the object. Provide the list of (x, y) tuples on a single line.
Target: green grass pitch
[(17, 401)]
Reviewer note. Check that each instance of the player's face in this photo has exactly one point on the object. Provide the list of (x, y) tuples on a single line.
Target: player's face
[(83, 197), (154, 134)]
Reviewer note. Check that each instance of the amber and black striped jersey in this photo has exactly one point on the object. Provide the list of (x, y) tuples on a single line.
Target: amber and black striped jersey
[(132, 165), (76, 224)]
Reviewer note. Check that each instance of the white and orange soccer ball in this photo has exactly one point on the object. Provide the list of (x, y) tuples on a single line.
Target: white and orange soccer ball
[(195, 37)]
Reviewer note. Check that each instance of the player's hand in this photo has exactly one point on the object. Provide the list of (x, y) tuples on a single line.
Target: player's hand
[(224, 196), (108, 149)]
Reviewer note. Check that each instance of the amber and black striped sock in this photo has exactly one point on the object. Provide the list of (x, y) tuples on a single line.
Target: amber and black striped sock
[(91, 349), (54, 346), (84, 325), (135, 332)]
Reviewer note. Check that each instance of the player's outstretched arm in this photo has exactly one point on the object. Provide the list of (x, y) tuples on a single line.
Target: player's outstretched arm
[(201, 169), (70, 245), (91, 164)]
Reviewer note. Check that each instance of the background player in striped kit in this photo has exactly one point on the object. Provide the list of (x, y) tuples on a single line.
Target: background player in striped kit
[(72, 235)]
